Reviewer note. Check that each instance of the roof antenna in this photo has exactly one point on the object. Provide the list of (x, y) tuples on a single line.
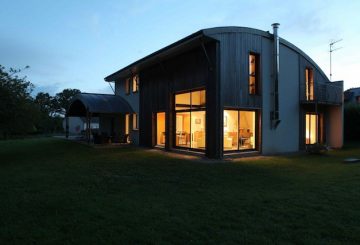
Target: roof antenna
[(332, 49)]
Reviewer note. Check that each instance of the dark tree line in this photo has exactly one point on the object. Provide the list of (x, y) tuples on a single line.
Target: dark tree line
[(21, 114)]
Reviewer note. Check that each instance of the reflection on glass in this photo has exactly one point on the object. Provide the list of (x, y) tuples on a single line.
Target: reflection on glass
[(230, 130), (160, 128), (198, 129)]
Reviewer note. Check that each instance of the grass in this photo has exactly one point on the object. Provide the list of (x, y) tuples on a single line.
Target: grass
[(58, 192)]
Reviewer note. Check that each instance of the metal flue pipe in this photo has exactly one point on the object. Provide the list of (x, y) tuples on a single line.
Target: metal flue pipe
[(275, 118)]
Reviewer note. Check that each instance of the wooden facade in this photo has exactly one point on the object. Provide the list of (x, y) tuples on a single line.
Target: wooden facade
[(217, 60)]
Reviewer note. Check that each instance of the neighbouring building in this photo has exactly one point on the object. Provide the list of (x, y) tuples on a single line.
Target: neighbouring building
[(352, 95), (223, 91)]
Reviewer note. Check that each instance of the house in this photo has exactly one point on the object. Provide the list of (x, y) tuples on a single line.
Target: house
[(226, 91), (352, 95)]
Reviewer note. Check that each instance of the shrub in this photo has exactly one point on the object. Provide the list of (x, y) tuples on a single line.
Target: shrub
[(352, 122)]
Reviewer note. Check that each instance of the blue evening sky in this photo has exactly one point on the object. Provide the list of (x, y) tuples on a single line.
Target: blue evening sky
[(75, 44)]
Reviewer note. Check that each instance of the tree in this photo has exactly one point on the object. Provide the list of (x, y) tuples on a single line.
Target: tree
[(18, 113), (49, 121), (45, 103), (63, 99)]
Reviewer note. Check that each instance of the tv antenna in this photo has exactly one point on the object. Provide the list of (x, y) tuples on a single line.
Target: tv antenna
[(332, 49)]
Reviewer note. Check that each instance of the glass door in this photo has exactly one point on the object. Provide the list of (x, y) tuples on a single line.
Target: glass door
[(190, 116)]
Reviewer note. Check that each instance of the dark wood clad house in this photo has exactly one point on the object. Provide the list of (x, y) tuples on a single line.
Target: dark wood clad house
[(230, 90)]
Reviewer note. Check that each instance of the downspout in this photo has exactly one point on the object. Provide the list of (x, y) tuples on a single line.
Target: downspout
[(275, 117)]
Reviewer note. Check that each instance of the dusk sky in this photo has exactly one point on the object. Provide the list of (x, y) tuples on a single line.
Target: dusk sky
[(75, 44)]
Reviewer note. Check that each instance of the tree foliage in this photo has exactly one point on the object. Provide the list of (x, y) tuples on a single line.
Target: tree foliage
[(21, 114), (63, 99), (18, 113)]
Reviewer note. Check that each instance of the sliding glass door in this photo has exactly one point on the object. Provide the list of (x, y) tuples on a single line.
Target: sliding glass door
[(240, 130), (190, 116)]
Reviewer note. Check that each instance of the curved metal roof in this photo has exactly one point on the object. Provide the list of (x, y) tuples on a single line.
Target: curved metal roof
[(98, 104), (195, 39)]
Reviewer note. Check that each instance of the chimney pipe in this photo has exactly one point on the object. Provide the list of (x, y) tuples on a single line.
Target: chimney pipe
[(275, 118)]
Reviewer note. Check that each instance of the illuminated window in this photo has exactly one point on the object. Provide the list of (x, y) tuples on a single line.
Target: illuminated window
[(190, 119), (135, 122), (253, 73), (239, 130), (182, 101), (127, 123), (309, 77), (135, 83), (127, 86), (311, 131), (160, 129)]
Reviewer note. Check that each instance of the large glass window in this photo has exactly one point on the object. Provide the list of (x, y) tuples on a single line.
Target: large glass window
[(160, 128), (191, 119), (239, 130), (309, 76)]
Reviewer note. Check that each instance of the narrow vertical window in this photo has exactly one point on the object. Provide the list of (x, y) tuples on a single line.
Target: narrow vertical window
[(135, 122), (311, 129), (253, 73), (127, 123), (160, 129), (135, 83), (309, 79), (127, 86)]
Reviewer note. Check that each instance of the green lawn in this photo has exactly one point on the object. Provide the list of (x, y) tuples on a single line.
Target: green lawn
[(58, 192)]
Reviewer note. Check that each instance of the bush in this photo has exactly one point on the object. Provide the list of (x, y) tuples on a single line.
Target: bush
[(352, 122)]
